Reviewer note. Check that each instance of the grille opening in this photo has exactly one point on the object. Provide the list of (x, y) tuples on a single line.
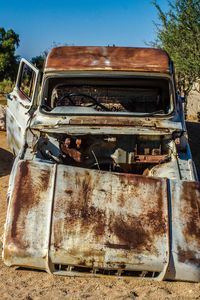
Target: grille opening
[(100, 271)]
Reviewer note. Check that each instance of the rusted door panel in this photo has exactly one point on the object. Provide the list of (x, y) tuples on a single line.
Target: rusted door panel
[(27, 230), (109, 220), (185, 262)]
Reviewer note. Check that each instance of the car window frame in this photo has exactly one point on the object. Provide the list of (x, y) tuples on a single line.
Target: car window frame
[(24, 98)]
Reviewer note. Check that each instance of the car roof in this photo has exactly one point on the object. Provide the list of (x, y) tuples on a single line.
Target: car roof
[(82, 58)]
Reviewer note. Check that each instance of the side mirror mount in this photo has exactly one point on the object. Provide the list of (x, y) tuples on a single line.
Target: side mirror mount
[(9, 97), (182, 99)]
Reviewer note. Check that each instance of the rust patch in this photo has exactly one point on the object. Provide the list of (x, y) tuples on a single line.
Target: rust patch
[(151, 158), (26, 195), (122, 200), (122, 266), (87, 254), (79, 211), (191, 211), (119, 121), (105, 218), (157, 221), (73, 153), (154, 218), (19, 195), (188, 256), (87, 216), (86, 187), (117, 246), (69, 192), (44, 178), (131, 233), (96, 120), (82, 263)]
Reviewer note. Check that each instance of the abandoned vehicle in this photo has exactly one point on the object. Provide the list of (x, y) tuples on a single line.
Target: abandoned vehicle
[(103, 182)]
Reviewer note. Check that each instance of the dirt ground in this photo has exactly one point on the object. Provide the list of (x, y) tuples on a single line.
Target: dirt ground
[(26, 284)]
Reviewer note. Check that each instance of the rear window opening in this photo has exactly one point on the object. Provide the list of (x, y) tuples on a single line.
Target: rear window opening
[(96, 95)]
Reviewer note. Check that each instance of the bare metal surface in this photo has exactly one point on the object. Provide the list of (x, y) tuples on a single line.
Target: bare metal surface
[(104, 220), (185, 228), (108, 58), (29, 213), (100, 219)]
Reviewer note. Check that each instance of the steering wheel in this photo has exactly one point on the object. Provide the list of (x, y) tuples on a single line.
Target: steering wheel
[(60, 101), (83, 96)]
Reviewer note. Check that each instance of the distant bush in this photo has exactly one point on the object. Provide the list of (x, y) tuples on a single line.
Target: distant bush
[(9, 41), (6, 86)]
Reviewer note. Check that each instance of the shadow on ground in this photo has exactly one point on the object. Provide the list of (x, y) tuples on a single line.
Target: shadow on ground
[(6, 161), (194, 141)]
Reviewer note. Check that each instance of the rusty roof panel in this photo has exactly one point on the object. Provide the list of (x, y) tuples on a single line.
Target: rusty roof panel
[(108, 58)]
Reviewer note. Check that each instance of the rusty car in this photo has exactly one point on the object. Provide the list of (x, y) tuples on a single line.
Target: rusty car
[(103, 181)]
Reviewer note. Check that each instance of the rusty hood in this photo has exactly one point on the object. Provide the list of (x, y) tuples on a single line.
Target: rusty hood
[(70, 220)]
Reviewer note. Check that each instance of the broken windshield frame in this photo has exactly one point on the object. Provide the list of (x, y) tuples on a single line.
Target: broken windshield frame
[(107, 87)]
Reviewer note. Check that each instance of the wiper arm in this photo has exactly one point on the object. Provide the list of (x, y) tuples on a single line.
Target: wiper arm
[(161, 111)]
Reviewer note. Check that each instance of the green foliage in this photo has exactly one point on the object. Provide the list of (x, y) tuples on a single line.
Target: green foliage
[(39, 60), (6, 86), (179, 35), (9, 41)]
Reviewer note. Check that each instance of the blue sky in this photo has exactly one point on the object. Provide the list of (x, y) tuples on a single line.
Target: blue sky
[(42, 23)]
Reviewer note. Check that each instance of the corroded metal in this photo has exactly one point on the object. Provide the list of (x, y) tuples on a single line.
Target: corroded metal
[(99, 219), (185, 226), (106, 124), (26, 236), (105, 220), (107, 58)]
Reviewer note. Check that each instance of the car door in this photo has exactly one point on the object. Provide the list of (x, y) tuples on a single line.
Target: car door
[(19, 104)]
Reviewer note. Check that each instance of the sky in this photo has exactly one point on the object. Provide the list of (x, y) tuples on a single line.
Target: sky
[(44, 23)]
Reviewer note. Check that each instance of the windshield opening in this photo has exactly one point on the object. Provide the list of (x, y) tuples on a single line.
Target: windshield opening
[(96, 95)]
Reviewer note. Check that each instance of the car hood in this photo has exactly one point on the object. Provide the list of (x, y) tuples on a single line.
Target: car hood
[(74, 217)]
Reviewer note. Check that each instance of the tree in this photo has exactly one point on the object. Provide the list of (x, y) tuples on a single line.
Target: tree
[(39, 60), (9, 41), (179, 35)]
